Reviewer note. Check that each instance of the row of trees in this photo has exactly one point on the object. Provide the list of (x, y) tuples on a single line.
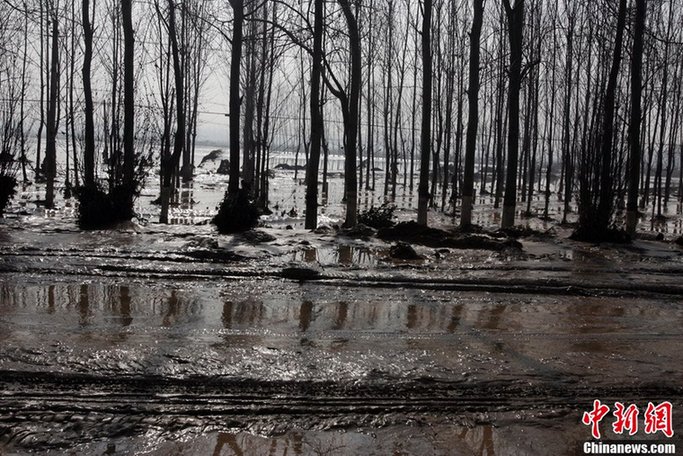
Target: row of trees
[(513, 98), (600, 149)]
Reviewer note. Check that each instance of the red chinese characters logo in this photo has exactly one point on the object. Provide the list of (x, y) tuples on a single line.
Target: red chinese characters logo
[(594, 417), (626, 419), (657, 418)]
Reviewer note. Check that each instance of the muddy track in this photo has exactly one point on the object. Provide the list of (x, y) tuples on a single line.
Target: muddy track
[(198, 264), (199, 395), (46, 410), (195, 256), (31, 395), (540, 286)]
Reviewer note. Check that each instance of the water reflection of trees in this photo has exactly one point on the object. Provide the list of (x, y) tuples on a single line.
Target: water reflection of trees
[(480, 440), (172, 308), (242, 313), (310, 310), (84, 306), (246, 444), (125, 318)]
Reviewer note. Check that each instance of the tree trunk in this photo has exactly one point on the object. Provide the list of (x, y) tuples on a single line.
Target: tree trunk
[(370, 147), (179, 138), (549, 170), (598, 179), (51, 150), (426, 133), (473, 115), (515, 16), (351, 134), (72, 109), (248, 149), (89, 146), (129, 184), (43, 89), (316, 122), (634, 127), (501, 121), (22, 116), (606, 203), (235, 61)]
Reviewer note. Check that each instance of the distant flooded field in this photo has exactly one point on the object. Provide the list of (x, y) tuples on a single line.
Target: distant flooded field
[(197, 201)]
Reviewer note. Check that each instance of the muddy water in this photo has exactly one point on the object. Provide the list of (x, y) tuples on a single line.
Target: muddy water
[(277, 367)]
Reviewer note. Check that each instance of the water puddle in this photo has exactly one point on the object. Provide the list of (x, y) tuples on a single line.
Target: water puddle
[(276, 367), (424, 438), (341, 255)]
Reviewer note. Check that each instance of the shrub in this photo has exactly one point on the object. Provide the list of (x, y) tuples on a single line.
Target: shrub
[(595, 235), (378, 217), (98, 209), (8, 186), (237, 213)]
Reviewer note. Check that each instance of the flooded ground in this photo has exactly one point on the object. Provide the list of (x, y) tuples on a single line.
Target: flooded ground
[(270, 366), (155, 339)]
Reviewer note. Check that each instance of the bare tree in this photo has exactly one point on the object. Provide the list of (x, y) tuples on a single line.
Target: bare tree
[(89, 149), (129, 184), (170, 164), (473, 116), (52, 118), (597, 187), (235, 101), (426, 133), (634, 126), (515, 17), (350, 109), (316, 121)]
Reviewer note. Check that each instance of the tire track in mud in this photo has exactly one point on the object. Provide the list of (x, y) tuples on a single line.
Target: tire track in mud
[(211, 256), (195, 256), (29, 393), (540, 286), (42, 410)]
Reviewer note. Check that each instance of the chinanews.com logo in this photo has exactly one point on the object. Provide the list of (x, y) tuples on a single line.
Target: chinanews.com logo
[(657, 422)]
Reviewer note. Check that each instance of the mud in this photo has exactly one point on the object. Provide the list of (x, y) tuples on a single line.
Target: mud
[(154, 339), (144, 366), (434, 237)]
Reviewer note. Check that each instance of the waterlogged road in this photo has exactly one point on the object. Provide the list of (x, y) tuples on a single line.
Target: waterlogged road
[(148, 366), (119, 343)]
